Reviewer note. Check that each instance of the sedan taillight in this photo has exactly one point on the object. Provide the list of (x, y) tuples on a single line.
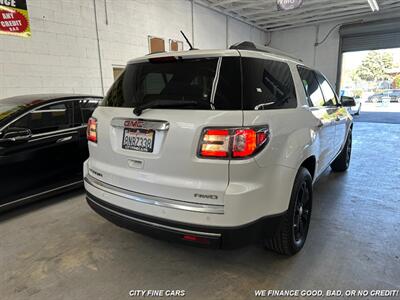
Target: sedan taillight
[(232, 143), (91, 131)]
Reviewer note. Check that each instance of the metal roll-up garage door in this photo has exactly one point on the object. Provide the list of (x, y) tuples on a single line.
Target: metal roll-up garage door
[(370, 36)]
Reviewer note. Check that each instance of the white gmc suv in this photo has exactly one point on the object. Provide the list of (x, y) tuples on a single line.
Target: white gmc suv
[(216, 148)]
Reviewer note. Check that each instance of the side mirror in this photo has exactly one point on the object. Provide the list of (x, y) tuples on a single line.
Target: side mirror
[(347, 101), (17, 134)]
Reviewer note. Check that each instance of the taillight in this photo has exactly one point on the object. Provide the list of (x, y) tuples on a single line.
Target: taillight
[(215, 143), (91, 131), (244, 142), (232, 142)]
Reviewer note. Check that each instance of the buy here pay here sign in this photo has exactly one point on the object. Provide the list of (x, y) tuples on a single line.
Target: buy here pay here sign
[(14, 18)]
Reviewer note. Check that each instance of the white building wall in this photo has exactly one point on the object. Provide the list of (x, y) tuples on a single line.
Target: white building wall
[(62, 54), (59, 57), (209, 29), (301, 43)]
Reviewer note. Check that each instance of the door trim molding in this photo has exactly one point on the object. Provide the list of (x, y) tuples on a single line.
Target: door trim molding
[(42, 193)]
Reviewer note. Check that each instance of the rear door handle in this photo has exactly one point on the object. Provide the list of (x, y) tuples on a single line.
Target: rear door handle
[(64, 139)]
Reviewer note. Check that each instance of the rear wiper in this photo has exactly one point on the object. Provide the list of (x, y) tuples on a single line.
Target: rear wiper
[(163, 103), (279, 102)]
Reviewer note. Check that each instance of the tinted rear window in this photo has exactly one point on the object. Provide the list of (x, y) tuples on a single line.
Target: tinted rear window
[(267, 84), (182, 80)]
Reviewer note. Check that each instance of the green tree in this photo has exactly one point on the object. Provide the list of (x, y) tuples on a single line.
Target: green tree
[(396, 81), (373, 66)]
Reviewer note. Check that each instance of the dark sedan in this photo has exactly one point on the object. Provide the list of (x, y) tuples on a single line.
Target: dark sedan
[(42, 145), (391, 95)]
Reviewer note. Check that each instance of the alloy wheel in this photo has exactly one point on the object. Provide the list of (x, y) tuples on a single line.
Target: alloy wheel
[(302, 212), (348, 152)]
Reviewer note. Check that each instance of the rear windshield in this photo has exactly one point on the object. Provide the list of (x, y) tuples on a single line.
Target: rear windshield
[(266, 84)]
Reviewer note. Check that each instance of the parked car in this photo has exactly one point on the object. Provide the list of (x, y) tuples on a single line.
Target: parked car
[(216, 148), (354, 110), (393, 95), (42, 145)]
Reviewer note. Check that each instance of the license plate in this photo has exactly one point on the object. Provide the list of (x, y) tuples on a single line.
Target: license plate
[(138, 140)]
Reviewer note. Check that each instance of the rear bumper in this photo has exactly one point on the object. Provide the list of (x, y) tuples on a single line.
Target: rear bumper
[(203, 236), (153, 200)]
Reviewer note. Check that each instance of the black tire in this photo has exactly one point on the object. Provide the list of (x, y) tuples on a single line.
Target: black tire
[(342, 162), (292, 233)]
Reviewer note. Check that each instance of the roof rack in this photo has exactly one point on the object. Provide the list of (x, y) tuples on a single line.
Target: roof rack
[(246, 45)]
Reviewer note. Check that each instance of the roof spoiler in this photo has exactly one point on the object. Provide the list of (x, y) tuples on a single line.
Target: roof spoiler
[(246, 45)]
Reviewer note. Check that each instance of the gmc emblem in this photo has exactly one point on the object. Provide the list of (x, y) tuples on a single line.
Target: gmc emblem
[(134, 123)]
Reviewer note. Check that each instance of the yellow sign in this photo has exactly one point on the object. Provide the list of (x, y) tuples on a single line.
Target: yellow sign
[(14, 18)]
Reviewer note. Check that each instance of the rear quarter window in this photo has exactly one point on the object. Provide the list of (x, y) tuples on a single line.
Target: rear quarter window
[(267, 84)]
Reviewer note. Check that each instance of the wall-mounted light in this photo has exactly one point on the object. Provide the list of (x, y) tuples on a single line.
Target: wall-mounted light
[(289, 4), (374, 5)]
